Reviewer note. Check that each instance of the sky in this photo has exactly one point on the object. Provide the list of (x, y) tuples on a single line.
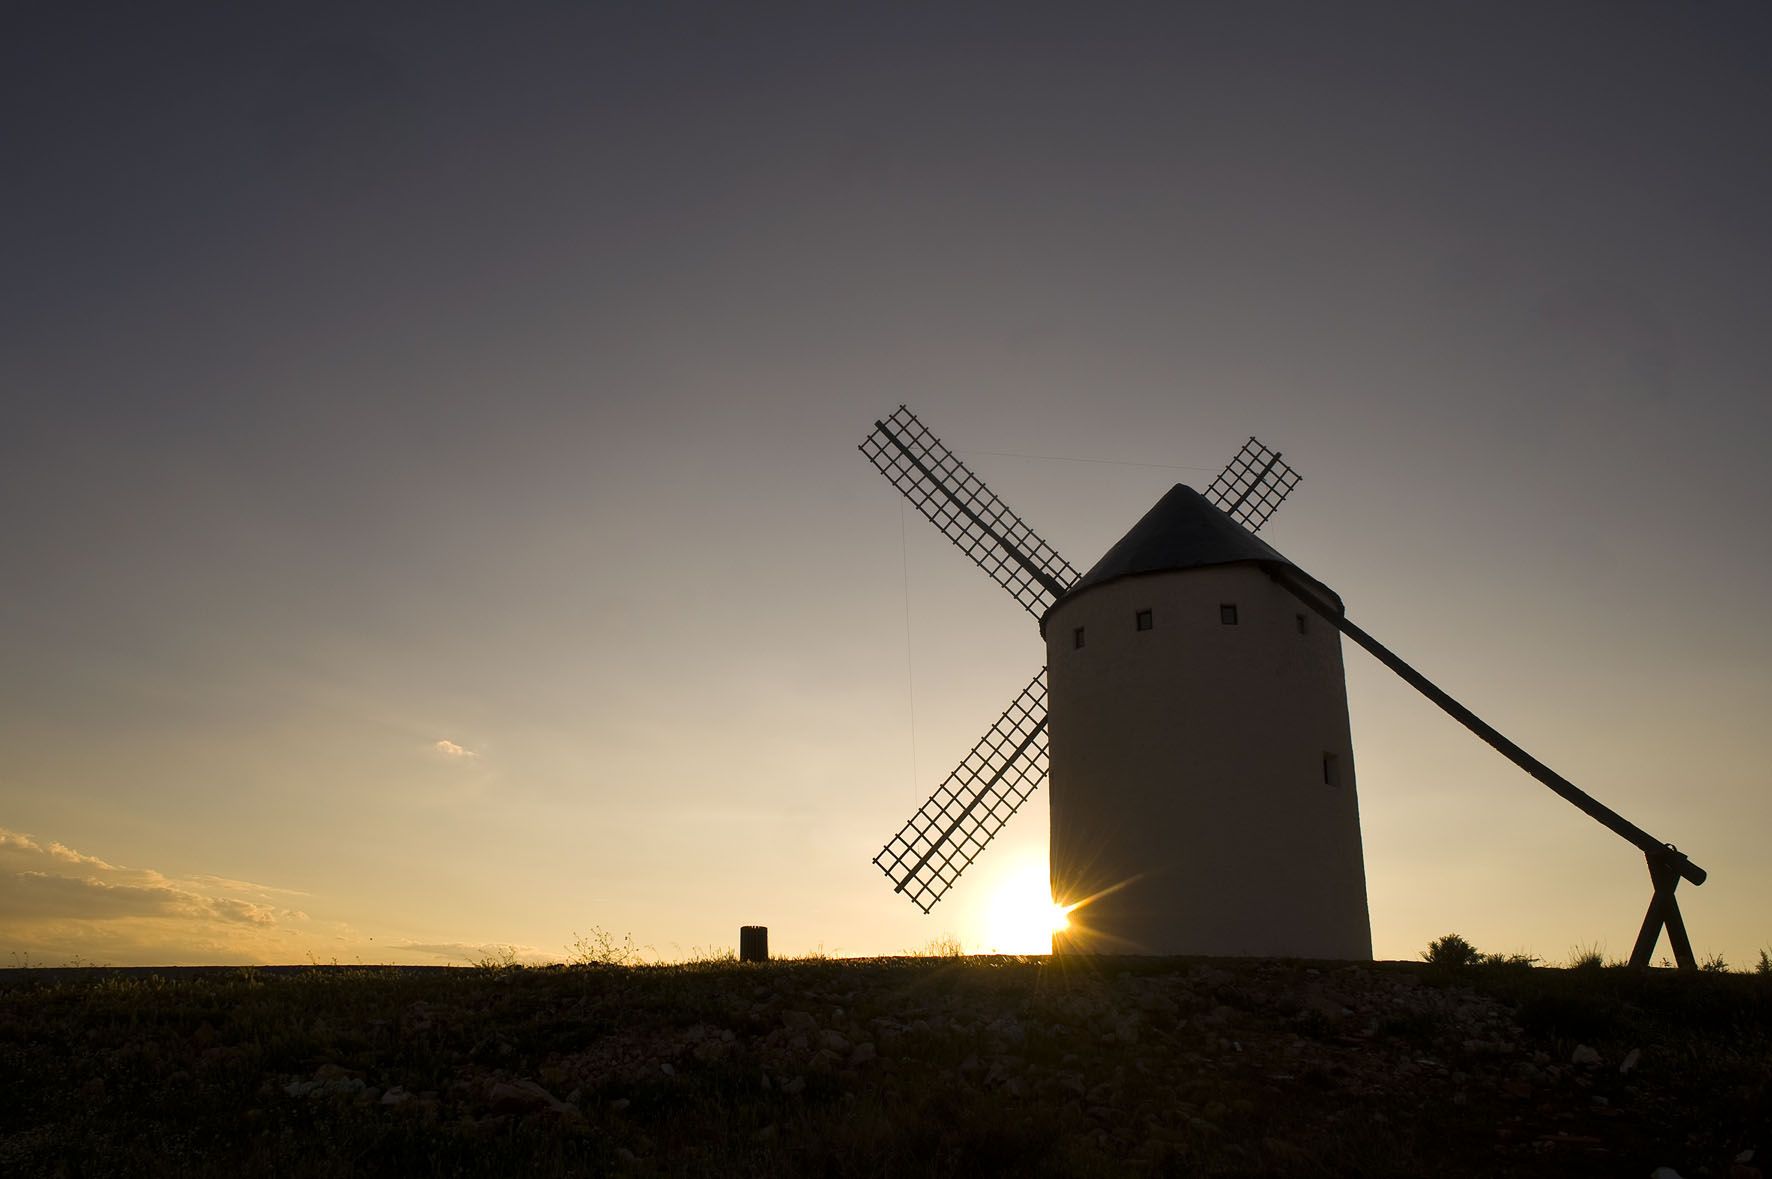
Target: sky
[(433, 512)]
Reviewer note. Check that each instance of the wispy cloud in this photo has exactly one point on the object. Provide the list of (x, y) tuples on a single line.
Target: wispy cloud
[(451, 749), (474, 952), (230, 885)]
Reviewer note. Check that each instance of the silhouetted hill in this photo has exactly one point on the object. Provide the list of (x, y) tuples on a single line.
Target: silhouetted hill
[(909, 1066)]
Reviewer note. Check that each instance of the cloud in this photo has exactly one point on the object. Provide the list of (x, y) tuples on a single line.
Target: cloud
[(58, 904), (451, 749), (58, 859), (474, 952), (230, 885), (230, 909), (56, 901), (13, 842), (63, 852), (38, 895)]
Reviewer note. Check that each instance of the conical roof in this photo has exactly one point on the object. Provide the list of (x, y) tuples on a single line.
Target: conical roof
[(1183, 531)]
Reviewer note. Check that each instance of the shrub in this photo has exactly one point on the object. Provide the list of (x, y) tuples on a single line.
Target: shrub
[(601, 948), (1452, 951), (1714, 963), (494, 958), (1765, 966)]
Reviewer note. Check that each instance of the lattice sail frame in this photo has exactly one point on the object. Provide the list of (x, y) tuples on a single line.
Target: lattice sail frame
[(942, 839), (1252, 485), (967, 512)]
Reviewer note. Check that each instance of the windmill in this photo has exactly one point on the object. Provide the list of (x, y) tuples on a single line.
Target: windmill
[(1192, 722)]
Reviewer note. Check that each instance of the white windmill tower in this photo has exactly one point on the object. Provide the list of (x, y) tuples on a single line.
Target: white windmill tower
[(1202, 772), (1201, 767)]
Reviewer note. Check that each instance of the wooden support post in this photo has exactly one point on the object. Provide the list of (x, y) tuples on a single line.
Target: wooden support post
[(1664, 910), (753, 943)]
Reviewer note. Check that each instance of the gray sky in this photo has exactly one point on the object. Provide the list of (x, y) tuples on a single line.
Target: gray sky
[(493, 376)]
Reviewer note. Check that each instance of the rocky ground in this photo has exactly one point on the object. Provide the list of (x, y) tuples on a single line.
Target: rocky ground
[(888, 1067)]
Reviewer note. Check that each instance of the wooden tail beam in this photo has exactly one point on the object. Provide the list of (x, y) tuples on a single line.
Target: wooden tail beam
[(1667, 865)]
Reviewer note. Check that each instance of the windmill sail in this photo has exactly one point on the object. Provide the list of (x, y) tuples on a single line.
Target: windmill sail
[(1252, 485), (966, 511), (943, 838)]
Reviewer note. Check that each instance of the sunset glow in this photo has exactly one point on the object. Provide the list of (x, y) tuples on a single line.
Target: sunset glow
[(1022, 916)]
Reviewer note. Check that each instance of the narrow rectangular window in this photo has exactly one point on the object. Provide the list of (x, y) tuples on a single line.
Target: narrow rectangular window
[(1077, 638), (1301, 625), (1331, 769), (1144, 620), (1227, 613)]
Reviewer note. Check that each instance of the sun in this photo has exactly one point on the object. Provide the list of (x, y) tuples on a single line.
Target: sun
[(1021, 916)]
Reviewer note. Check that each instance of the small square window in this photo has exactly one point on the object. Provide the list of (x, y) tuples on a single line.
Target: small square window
[(1331, 769), (1227, 613), (1302, 627), (1144, 620), (1077, 638)]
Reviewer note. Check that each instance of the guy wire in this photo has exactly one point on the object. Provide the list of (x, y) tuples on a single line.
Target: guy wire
[(910, 677)]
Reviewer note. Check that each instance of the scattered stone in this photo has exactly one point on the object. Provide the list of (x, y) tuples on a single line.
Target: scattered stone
[(1630, 1060), (1584, 1056), (524, 1096), (798, 1021)]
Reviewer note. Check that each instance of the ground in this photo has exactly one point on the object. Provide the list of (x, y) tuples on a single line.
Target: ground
[(906, 1066)]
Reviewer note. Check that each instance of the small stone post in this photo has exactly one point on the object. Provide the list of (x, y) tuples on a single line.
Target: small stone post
[(753, 943)]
